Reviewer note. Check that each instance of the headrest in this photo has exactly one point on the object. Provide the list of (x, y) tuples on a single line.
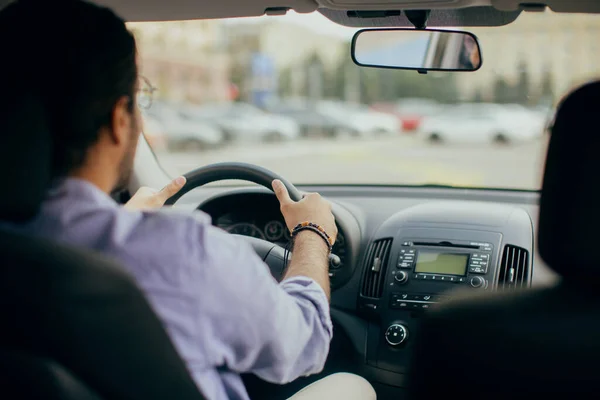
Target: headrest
[(569, 224), (25, 158), (25, 148)]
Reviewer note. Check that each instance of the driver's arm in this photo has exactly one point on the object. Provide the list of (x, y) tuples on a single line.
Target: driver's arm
[(248, 322)]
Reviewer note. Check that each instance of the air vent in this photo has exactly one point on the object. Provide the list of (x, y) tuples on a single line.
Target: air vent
[(378, 255), (514, 268)]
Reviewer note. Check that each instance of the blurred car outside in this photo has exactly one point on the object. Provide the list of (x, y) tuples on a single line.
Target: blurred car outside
[(368, 122), (483, 123), (412, 111), (183, 133), (243, 122), (313, 120)]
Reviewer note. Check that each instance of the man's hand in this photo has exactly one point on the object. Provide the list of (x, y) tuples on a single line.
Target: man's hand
[(312, 208), (310, 253), (150, 199)]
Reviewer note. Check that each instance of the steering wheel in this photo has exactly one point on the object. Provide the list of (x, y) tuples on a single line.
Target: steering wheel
[(272, 254)]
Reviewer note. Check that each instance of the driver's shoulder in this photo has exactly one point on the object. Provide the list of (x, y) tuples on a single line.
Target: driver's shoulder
[(166, 221), (173, 231)]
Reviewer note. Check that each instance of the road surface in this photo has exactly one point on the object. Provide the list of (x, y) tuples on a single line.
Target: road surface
[(396, 160)]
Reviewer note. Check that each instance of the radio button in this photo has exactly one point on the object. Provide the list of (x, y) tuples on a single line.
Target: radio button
[(478, 269), (424, 277), (399, 304)]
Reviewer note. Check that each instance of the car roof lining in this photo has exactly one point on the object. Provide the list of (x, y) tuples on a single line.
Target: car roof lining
[(445, 12)]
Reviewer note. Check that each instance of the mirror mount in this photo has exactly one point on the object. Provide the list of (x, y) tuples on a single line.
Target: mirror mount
[(418, 18)]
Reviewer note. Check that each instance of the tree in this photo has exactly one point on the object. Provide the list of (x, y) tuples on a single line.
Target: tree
[(547, 88), (368, 85), (443, 88), (477, 96), (369, 79), (503, 92), (314, 77), (521, 94), (285, 83)]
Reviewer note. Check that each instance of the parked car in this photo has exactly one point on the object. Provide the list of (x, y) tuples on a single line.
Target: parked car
[(184, 133), (485, 123), (367, 122), (244, 122), (412, 112), (314, 121)]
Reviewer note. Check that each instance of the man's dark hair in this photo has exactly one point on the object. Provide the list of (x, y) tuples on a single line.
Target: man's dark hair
[(78, 58)]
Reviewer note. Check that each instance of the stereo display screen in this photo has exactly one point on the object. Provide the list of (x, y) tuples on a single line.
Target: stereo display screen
[(430, 262)]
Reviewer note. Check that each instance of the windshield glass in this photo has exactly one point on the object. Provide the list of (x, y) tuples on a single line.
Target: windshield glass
[(283, 93)]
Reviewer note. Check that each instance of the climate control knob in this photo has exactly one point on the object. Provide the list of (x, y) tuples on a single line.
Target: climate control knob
[(396, 334), (401, 277), (477, 282)]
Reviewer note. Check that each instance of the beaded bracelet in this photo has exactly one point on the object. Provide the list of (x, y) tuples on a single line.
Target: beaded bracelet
[(314, 228)]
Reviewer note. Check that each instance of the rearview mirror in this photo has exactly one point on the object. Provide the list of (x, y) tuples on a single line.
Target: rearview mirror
[(420, 50)]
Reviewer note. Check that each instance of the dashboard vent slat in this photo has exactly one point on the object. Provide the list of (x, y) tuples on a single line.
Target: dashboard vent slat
[(375, 267), (514, 268)]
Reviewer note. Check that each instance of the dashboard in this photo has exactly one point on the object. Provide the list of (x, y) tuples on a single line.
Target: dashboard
[(404, 250)]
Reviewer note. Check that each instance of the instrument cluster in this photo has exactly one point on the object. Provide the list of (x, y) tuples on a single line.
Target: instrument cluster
[(268, 226)]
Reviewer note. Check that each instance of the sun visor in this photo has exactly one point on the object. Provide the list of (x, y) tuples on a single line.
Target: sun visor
[(462, 17), (173, 10), (563, 6)]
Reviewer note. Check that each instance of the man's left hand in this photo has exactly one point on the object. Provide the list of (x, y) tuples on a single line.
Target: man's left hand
[(151, 199)]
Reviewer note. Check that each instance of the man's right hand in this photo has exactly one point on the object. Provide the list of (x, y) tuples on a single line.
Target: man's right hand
[(312, 208)]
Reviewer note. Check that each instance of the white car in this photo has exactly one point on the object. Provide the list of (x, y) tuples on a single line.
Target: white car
[(482, 123), (366, 122), (244, 122), (183, 133)]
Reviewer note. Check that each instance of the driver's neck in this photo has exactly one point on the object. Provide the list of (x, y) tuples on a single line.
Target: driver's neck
[(96, 177), (99, 170)]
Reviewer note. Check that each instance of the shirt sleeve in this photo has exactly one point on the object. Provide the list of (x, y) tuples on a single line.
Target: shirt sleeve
[(246, 320)]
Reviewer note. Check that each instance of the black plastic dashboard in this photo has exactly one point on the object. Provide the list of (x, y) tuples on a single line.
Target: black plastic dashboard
[(381, 291)]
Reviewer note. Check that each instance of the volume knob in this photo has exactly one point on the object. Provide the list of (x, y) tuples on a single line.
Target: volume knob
[(477, 282), (401, 277)]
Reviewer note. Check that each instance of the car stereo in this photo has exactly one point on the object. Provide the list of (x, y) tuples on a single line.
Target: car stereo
[(424, 269)]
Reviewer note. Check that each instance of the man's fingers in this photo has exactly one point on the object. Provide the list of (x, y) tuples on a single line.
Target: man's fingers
[(171, 189), (281, 192)]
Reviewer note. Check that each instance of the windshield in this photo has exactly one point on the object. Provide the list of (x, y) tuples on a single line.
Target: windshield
[(283, 93)]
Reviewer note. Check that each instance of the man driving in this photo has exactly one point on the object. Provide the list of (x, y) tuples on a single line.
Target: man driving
[(216, 298)]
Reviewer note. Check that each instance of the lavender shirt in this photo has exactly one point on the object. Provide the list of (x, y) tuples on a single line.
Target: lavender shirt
[(215, 296)]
